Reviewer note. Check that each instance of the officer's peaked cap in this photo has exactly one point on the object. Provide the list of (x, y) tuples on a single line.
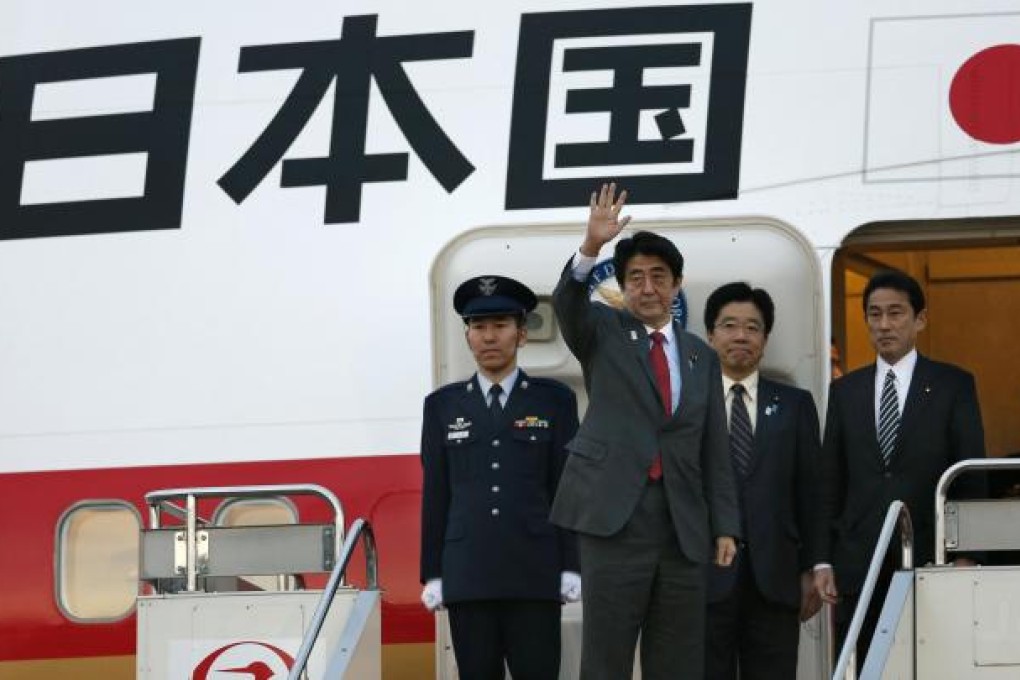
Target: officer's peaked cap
[(492, 295)]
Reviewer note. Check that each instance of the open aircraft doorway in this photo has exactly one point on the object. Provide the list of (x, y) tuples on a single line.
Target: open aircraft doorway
[(970, 273)]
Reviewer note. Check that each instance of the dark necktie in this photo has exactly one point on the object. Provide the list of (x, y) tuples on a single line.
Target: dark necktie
[(888, 418), (741, 435), (495, 408), (660, 368)]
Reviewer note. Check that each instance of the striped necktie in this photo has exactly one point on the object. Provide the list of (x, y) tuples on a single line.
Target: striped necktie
[(888, 418), (741, 436)]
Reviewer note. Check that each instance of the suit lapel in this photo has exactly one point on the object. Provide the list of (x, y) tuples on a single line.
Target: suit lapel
[(917, 399), (864, 393), (765, 407), (519, 398), (687, 357), (637, 338)]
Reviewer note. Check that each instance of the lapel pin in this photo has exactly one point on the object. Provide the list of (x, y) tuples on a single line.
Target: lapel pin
[(692, 359), (470, 386), (773, 407), (524, 384), (633, 335), (927, 389)]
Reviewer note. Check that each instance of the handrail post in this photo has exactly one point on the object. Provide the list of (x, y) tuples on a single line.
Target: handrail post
[(942, 490), (896, 516), (360, 529), (191, 544)]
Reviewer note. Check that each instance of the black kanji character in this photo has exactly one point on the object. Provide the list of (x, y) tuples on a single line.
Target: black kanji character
[(626, 99), (353, 60), (162, 133)]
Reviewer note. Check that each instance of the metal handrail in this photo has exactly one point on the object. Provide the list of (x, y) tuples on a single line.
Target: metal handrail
[(161, 499), (942, 488), (359, 529), (846, 667)]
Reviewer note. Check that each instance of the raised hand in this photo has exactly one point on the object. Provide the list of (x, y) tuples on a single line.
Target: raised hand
[(604, 221)]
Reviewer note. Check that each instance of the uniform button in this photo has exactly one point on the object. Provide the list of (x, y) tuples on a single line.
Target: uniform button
[(495, 512), (495, 465), (495, 442), (495, 489), (533, 437)]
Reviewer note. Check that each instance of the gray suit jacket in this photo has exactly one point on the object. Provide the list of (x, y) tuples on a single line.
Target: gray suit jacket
[(625, 426)]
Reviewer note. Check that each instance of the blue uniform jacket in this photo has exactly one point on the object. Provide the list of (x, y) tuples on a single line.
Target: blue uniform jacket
[(488, 487)]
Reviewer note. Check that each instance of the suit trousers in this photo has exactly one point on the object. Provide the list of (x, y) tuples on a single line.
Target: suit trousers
[(748, 632), (525, 634), (637, 582)]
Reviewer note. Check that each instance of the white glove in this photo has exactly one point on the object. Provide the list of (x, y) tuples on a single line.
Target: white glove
[(432, 595), (570, 586)]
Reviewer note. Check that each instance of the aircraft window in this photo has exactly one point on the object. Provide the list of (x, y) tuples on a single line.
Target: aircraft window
[(97, 560), (542, 322), (255, 512)]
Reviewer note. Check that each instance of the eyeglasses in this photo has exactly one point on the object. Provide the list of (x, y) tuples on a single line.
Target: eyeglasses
[(730, 327)]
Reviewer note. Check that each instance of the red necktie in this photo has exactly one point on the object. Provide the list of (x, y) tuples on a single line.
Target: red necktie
[(660, 367)]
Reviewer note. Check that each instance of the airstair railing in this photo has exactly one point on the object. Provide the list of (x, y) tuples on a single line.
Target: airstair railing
[(898, 514), (942, 489), (163, 501), (360, 530)]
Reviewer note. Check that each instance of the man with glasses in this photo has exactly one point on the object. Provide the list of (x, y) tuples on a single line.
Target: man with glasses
[(755, 606), (891, 430), (648, 484)]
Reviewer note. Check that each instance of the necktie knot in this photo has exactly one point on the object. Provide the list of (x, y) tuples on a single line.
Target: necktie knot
[(494, 393), (737, 390), (657, 337)]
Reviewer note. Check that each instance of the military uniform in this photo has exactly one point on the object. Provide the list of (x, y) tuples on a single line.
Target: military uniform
[(488, 487), (490, 475)]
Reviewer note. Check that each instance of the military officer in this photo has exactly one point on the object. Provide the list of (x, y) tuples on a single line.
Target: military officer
[(492, 451)]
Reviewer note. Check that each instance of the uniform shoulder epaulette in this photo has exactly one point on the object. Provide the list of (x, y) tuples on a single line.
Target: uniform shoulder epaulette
[(457, 386)]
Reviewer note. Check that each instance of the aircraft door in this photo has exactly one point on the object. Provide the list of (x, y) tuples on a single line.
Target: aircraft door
[(757, 250), (761, 251)]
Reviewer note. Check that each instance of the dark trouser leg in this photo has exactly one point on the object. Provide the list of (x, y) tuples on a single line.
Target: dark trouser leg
[(847, 605), (531, 635), (722, 636), (636, 581), (477, 641), (673, 637), (770, 634)]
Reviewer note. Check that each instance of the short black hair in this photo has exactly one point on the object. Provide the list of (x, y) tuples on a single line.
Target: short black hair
[(896, 280), (650, 244), (739, 291)]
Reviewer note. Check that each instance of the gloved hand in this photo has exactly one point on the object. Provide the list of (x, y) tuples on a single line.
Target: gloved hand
[(432, 595), (570, 586)]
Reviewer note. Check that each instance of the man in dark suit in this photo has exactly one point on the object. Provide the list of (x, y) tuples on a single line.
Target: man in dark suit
[(892, 429), (755, 606), (493, 449), (648, 483)]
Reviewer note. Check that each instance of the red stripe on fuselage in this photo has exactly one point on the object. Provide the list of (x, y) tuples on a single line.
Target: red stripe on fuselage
[(384, 489)]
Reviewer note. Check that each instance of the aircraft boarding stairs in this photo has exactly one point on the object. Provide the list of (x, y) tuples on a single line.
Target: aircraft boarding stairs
[(941, 622), (202, 612)]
